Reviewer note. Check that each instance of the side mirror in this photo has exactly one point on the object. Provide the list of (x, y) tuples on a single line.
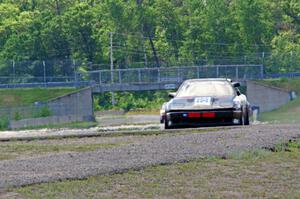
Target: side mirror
[(171, 95), (236, 84)]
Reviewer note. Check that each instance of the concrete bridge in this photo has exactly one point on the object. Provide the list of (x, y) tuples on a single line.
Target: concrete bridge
[(138, 79)]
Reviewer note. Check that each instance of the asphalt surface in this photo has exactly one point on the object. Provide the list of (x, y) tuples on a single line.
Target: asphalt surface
[(149, 150)]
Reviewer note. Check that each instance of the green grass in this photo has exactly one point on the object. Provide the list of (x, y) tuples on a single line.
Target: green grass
[(289, 113), (292, 84), (253, 174), (26, 96), (13, 150)]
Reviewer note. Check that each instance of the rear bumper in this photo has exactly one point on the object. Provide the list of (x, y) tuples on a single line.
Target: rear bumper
[(202, 117)]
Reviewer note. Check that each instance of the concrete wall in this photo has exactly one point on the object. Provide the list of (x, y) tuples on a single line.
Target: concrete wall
[(73, 107), (267, 98), (48, 121), (77, 103)]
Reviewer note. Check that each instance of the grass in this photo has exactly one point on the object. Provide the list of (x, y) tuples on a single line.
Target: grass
[(292, 84), (288, 114), (252, 174), (13, 150), (26, 96)]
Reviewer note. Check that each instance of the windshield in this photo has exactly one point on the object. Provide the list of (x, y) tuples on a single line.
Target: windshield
[(205, 88)]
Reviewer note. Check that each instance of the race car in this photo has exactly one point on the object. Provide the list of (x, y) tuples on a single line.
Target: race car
[(206, 102)]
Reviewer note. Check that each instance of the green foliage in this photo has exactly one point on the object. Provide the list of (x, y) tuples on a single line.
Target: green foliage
[(258, 154), (150, 33), (147, 100), (4, 122), (127, 101), (17, 116), (42, 112)]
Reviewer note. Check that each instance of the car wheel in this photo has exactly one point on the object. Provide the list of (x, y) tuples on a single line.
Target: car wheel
[(244, 120), (167, 124)]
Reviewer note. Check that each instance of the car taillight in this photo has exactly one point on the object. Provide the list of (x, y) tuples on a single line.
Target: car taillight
[(193, 115), (209, 114)]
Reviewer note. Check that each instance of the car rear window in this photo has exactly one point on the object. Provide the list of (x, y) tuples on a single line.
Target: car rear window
[(205, 88)]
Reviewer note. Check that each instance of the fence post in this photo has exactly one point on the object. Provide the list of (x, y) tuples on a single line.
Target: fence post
[(14, 71), (236, 73), (158, 75), (44, 65), (120, 77), (139, 75), (178, 74), (74, 69), (292, 60), (261, 71), (75, 79), (100, 79), (198, 72), (217, 71)]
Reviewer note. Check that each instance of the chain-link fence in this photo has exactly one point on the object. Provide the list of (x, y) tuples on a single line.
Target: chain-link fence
[(14, 72), (67, 71), (37, 111), (172, 74), (40, 110)]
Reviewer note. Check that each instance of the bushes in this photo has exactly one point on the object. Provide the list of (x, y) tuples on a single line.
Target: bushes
[(17, 116), (148, 100), (43, 111), (4, 122)]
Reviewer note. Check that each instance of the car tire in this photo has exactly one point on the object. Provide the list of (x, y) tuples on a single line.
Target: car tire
[(244, 120), (167, 124)]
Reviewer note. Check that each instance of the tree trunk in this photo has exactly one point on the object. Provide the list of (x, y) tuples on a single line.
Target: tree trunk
[(154, 52)]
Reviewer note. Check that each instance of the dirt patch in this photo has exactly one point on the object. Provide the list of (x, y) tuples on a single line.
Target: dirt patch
[(9, 100), (295, 109), (11, 195)]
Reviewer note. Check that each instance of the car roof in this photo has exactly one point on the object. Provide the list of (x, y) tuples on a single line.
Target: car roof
[(207, 79)]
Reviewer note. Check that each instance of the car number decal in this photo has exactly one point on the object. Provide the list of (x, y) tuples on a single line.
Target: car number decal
[(202, 101)]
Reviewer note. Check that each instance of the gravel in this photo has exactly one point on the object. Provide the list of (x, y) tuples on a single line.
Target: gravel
[(68, 133), (127, 119), (150, 150)]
